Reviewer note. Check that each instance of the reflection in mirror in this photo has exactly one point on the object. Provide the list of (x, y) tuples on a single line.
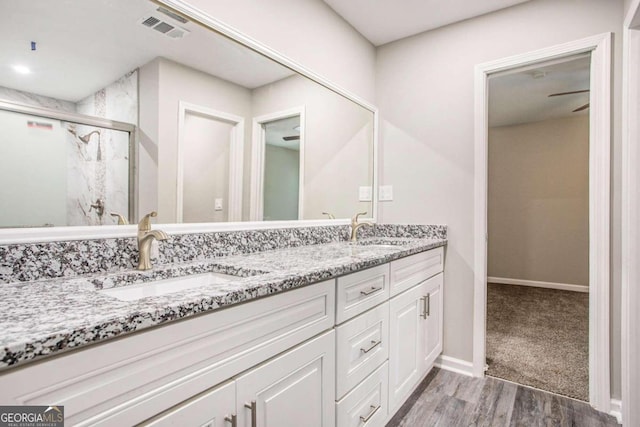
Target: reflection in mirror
[(61, 173), (281, 195), (205, 112)]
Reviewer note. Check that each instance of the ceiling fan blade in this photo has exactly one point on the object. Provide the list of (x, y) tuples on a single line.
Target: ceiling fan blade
[(291, 138), (568, 93), (584, 107)]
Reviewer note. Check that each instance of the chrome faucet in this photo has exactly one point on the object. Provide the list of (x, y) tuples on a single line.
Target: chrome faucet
[(355, 225), (145, 237)]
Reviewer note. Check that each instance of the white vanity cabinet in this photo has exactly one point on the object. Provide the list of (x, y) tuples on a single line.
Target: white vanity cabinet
[(415, 337), (340, 353), (390, 338), (129, 380)]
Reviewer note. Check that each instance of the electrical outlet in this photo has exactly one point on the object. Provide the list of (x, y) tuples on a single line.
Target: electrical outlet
[(385, 193), (364, 194), (217, 205)]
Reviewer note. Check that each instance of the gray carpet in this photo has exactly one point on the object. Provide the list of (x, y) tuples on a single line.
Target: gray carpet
[(539, 337)]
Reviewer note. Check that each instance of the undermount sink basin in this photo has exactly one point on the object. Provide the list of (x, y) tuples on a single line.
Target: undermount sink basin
[(167, 286)]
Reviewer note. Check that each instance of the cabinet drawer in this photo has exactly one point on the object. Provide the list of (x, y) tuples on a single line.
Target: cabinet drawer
[(358, 292), (209, 409), (362, 345), (365, 405), (410, 271)]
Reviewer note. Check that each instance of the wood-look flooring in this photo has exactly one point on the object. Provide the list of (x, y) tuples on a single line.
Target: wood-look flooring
[(448, 399)]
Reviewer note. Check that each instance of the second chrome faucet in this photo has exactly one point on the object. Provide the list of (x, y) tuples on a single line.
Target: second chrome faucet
[(146, 236)]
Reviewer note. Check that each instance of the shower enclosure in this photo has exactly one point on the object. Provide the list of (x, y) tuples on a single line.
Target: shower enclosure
[(59, 168)]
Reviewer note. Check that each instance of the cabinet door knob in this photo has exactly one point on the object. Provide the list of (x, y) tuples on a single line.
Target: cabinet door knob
[(374, 344), (367, 417), (254, 412), (233, 419)]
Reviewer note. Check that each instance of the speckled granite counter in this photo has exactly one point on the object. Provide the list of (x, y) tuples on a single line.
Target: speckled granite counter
[(40, 318)]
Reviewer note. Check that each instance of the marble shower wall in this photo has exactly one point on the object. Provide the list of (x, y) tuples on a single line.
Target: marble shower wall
[(36, 100), (98, 169)]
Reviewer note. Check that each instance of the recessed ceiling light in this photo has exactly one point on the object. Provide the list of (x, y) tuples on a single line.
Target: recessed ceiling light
[(21, 69)]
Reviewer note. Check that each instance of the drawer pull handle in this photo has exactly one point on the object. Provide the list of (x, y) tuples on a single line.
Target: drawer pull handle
[(367, 417), (254, 412), (370, 291), (428, 310), (233, 419), (424, 307), (374, 344)]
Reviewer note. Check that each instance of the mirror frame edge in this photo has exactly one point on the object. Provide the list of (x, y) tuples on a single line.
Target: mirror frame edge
[(52, 234)]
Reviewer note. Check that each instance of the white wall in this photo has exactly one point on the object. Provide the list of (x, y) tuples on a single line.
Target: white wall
[(538, 201), (338, 155), (176, 83), (307, 31), (424, 89)]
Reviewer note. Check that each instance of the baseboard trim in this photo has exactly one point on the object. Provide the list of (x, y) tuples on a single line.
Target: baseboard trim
[(616, 409), (538, 284), (454, 365)]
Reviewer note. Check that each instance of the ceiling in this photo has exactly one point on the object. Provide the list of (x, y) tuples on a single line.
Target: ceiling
[(82, 46), (384, 21), (523, 96), (276, 130)]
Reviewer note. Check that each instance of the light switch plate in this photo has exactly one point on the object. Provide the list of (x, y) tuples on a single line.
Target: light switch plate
[(365, 194), (385, 193), (217, 206)]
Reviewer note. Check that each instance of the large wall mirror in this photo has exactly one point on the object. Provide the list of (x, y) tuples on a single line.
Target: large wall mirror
[(110, 110)]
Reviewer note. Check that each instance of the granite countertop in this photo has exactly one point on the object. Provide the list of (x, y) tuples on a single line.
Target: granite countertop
[(44, 317)]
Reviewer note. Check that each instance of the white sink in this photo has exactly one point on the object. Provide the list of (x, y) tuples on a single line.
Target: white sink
[(167, 286)]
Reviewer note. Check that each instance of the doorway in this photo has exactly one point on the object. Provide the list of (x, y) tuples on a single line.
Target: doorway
[(538, 226), (211, 144), (599, 48), (277, 187), (281, 195)]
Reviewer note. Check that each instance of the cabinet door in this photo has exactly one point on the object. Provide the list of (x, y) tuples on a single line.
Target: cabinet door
[(294, 389), (406, 330), (432, 289), (207, 410)]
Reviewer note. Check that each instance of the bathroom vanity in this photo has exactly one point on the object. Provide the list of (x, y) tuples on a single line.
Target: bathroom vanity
[(332, 334)]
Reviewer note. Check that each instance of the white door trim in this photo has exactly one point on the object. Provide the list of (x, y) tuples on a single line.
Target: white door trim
[(257, 160), (630, 295), (234, 204), (599, 203)]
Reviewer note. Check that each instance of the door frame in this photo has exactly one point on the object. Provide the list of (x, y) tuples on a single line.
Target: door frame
[(630, 295), (599, 203), (236, 152), (258, 143)]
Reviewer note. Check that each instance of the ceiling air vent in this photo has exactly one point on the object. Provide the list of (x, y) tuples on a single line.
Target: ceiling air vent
[(150, 21), (170, 30)]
